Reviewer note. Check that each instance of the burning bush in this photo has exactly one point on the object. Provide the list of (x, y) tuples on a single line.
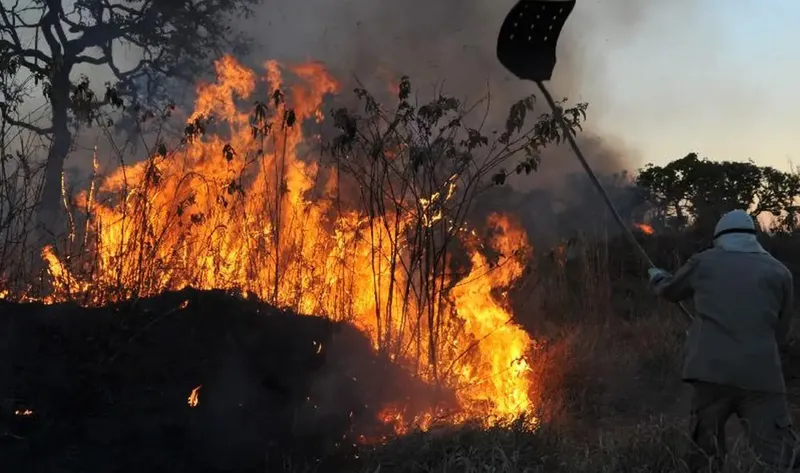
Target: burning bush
[(369, 228)]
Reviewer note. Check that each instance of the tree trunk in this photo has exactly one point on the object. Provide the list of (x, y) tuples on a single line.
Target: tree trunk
[(50, 214)]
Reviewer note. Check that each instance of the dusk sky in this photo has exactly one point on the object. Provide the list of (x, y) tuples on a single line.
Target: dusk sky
[(725, 84)]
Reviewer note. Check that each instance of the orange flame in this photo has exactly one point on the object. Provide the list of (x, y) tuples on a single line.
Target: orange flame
[(235, 210), (502, 371), (647, 229), (194, 396)]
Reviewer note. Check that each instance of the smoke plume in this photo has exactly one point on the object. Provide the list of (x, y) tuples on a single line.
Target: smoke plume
[(451, 44)]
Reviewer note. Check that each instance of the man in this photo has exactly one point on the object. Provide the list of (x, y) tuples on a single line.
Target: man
[(743, 305)]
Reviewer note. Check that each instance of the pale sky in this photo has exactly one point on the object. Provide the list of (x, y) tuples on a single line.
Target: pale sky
[(726, 84)]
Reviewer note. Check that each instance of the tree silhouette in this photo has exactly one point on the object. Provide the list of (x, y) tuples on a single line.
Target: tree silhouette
[(43, 44), (695, 192)]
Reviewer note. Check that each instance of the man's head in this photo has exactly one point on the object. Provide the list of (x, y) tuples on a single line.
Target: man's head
[(736, 221)]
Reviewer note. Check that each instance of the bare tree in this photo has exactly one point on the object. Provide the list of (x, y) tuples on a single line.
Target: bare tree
[(45, 43)]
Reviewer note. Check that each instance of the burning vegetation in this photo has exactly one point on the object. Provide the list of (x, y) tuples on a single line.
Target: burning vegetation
[(646, 229), (194, 396), (183, 276), (370, 228)]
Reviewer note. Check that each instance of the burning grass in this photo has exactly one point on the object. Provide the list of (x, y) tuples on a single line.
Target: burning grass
[(370, 227)]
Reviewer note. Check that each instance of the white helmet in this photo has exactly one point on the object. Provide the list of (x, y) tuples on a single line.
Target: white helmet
[(736, 221)]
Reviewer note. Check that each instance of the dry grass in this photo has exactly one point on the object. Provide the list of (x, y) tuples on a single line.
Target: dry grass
[(612, 401), (609, 389), (653, 445), (650, 448)]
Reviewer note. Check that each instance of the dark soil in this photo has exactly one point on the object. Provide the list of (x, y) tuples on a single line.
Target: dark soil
[(108, 388)]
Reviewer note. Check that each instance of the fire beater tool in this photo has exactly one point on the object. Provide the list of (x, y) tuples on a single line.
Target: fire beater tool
[(526, 47)]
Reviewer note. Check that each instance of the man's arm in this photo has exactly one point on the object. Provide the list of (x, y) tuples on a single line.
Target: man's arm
[(677, 287), (787, 309)]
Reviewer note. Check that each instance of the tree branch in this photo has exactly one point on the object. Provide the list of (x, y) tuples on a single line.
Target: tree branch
[(22, 54), (19, 51), (21, 124), (54, 17), (96, 61), (46, 23), (95, 36), (15, 45)]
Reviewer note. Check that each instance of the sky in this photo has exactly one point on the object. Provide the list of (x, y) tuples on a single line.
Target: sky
[(725, 84)]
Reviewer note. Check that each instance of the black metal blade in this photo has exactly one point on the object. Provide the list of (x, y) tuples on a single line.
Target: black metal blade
[(527, 42)]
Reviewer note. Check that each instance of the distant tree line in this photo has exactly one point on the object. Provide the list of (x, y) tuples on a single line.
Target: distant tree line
[(692, 193)]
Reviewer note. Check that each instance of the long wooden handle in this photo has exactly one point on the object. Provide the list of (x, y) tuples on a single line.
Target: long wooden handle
[(579, 154)]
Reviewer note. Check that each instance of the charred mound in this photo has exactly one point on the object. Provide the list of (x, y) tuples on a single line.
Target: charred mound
[(107, 389)]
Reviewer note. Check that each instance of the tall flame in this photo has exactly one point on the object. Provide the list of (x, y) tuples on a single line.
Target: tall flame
[(504, 344), (236, 208)]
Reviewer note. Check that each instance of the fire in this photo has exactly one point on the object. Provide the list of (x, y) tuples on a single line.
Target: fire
[(23, 412), (396, 417), (647, 229), (194, 396), (503, 369), (246, 210)]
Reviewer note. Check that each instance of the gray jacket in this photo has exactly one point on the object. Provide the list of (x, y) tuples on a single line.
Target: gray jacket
[(743, 307)]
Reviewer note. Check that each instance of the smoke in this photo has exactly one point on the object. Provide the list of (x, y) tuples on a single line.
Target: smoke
[(451, 44)]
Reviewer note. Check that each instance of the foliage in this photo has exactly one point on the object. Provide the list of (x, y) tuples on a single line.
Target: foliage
[(443, 142), (694, 191)]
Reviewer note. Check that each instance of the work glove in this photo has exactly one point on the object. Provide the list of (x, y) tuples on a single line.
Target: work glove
[(656, 275)]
